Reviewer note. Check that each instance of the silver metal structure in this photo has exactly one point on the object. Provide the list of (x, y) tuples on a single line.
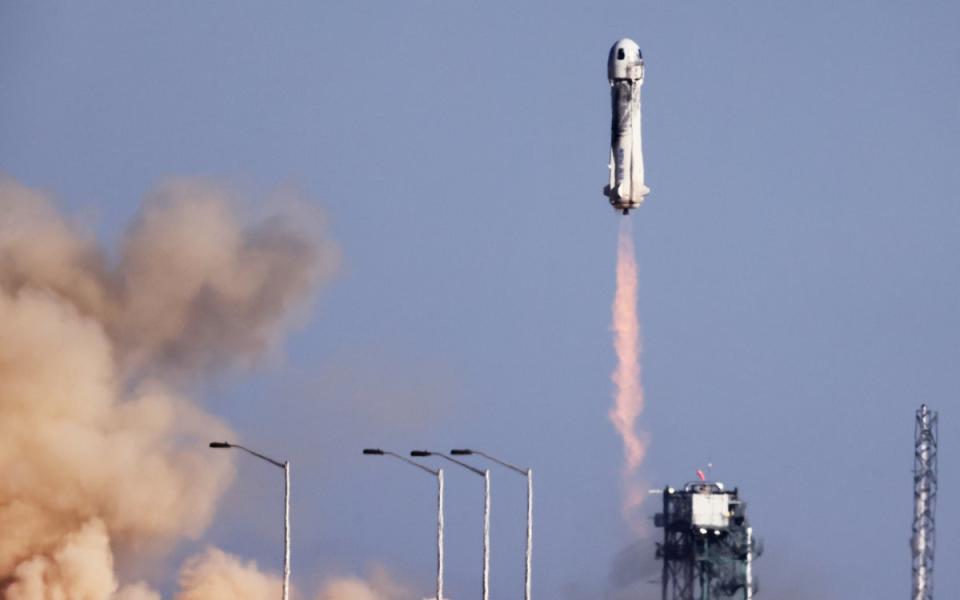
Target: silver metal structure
[(708, 545), (748, 588), (285, 465), (485, 473), (528, 473), (924, 502), (438, 473)]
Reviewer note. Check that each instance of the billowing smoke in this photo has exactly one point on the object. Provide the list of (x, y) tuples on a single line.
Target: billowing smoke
[(80, 566), (101, 455), (221, 576), (216, 575), (628, 403), (378, 585)]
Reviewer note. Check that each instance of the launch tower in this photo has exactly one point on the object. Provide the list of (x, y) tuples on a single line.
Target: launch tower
[(708, 546)]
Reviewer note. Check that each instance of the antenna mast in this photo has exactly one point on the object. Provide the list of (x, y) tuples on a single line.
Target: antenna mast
[(924, 502)]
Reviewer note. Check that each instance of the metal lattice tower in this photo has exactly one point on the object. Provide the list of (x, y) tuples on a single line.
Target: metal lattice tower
[(708, 546), (924, 502)]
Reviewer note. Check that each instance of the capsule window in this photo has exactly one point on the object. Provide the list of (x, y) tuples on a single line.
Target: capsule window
[(620, 54)]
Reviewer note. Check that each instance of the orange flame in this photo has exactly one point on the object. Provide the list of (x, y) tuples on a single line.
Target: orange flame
[(629, 400)]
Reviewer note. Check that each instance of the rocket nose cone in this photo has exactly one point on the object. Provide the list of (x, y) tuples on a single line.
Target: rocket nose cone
[(624, 53), (628, 46)]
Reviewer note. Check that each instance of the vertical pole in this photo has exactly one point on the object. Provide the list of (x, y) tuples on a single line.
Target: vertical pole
[(924, 502), (527, 573), (486, 534), (704, 575), (749, 575), (666, 575), (439, 534), (286, 531)]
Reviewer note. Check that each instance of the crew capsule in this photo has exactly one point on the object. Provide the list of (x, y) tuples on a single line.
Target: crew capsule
[(625, 61)]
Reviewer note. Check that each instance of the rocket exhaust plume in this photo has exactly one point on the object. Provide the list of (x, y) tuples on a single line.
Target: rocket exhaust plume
[(628, 400)]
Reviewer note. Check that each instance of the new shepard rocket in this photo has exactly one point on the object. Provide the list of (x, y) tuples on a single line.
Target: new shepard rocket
[(625, 71)]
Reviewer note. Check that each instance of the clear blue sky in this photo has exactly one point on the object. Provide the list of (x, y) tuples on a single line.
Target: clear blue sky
[(798, 253)]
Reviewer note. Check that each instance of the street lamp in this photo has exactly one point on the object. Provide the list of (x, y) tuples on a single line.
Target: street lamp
[(286, 507), (485, 473), (528, 473), (439, 475)]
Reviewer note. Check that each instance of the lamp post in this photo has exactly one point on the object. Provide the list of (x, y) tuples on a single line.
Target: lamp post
[(485, 473), (528, 473), (439, 475), (286, 507)]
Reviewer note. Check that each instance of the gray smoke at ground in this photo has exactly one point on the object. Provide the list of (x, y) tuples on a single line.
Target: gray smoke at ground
[(101, 453), (636, 563), (634, 575)]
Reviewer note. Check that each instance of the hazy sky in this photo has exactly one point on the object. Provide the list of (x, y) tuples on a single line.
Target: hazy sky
[(799, 285)]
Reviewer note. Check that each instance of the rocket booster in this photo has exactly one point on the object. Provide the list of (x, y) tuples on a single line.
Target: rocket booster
[(626, 188)]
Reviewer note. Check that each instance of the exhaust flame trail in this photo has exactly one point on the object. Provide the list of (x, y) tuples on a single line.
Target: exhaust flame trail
[(628, 403)]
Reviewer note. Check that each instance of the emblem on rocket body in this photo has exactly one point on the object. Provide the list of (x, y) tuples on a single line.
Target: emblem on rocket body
[(626, 188)]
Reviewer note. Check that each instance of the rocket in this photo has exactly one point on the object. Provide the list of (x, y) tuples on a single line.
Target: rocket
[(626, 189)]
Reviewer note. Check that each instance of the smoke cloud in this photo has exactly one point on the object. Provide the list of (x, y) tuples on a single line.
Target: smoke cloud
[(379, 585), (79, 566), (628, 401), (216, 575), (101, 454)]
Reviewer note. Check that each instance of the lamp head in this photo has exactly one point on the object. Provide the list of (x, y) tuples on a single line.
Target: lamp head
[(421, 453), (461, 452), (373, 451), (220, 445)]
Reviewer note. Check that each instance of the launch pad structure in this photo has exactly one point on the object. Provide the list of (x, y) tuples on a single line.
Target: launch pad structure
[(708, 546)]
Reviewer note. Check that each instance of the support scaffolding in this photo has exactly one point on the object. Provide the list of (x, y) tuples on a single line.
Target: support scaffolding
[(708, 546), (924, 502)]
